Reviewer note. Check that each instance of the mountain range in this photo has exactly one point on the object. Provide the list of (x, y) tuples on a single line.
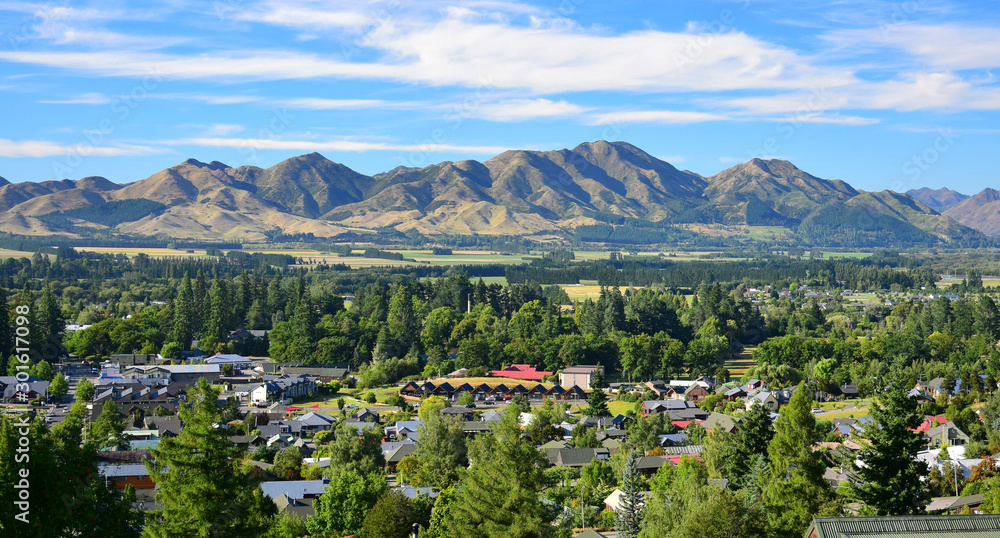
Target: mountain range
[(594, 186)]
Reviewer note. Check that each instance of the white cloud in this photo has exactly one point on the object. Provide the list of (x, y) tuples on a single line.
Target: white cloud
[(548, 56), (654, 116), (816, 117), (512, 110), (223, 129), (316, 103), (331, 145), (299, 16), (946, 46), (43, 148), (84, 99)]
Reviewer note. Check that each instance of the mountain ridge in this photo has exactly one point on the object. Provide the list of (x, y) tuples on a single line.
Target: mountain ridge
[(518, 192)]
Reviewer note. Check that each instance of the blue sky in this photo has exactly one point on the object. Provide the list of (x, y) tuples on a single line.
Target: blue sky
[(885, 95)]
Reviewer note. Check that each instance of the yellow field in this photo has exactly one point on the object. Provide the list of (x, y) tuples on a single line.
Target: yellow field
[(15, 254), (152, 252), (581, 293)]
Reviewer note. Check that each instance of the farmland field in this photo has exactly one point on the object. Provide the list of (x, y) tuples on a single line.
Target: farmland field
[(14, 254)]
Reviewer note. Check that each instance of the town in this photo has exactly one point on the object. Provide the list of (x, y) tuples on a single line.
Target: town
[(459, 406)]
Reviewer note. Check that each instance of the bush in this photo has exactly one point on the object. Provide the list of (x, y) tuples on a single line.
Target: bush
[(370, 397)]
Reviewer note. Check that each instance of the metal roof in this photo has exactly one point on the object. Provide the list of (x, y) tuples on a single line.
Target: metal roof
[(986, 525)]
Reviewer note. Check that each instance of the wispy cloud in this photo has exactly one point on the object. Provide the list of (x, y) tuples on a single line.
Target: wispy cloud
[(44, 148), (84, 99), (315, 103), (330, 145), (512, 110), (654, 116)]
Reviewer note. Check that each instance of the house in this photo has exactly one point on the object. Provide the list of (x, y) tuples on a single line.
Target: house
[(649, 407), (313, 422), (294, 496), (717, 422), (578, 457), (36, 388), (589, 533), (520, 371), (898, 526), (945, 433), (458, 411), (613, 502), (849, 391), (135, 359), (283, 388), (580, 375), (237, 362), (393, 458), (366, 414), (695, 393), (127, 474), (954, 504), (322, 374), (766, 398), (735, 393)]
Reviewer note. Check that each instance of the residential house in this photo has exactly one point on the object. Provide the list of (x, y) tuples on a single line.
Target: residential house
[(322, 374), (579, 375), (947, 433), (520, 371), (126, 474), (294, 496), (283, 388), (578, 457), (649, 407), (312, 423), (236, 361), (393, 458), (37, 388)]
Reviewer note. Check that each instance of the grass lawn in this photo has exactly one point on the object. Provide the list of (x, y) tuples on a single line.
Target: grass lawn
[(741, 363), (580, 292), (619, 407)]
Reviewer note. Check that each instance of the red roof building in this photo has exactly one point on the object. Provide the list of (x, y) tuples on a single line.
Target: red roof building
[(520, 371)]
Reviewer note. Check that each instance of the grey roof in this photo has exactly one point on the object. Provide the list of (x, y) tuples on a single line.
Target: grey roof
[(683, 449), (578, 457), (125, 469), (294, 489), (401, 452), (900, 526)]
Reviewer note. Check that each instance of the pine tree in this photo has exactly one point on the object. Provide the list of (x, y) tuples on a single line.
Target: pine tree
[(199, 293), (108, 430), (498, 496), (890, 477), (6, 331), (50, 321), (184, 314), (628, 519), (442, 450), (597, 404), (796, 489), (201, 485)]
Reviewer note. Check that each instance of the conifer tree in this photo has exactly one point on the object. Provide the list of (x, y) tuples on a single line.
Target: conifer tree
[(628, 519), (202, 487), (184, 314), (108, 430), (890, 477), (796, 489), (6, 331), (498, 496)]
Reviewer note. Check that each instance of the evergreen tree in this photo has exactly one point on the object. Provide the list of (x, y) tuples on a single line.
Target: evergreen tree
[(6, 331), (628, 519), (50, 320), (108, 430), (498, 496), (796, 489), (441, 451), (597, 404), (201, 485), (391, 517), (199, 293), (184, 314), (890, 477)]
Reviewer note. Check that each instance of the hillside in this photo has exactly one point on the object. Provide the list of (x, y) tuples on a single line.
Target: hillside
[(938, 199), (980, 212), (596, 192)]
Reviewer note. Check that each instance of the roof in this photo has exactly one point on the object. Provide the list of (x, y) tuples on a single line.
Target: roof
[(123, 470), (580, 369), (590, 533), (900, 526), (294, 489)]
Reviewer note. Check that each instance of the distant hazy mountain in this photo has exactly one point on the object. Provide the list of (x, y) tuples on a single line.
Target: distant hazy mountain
[(937, 199), (600, 185), (980, 212)]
